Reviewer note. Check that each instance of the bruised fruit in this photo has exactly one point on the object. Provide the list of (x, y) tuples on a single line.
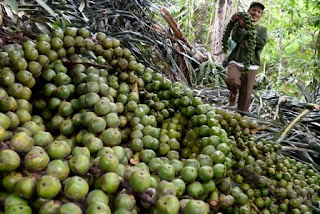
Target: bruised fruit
[(36, 159)]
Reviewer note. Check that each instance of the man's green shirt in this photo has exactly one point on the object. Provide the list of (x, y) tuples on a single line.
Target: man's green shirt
[(240, 36)]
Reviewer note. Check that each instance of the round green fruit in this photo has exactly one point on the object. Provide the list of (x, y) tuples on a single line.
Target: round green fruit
[(109, 182), (168, 204), (70, 208), (140, 181), (48, 186), (76, 188), (9, 160)]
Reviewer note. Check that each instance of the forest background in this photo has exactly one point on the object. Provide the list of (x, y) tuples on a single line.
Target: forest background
[(292, 53)]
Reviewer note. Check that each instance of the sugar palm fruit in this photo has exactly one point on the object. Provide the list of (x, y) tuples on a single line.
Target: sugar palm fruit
[(125, 201), (8, 104), (10, 160), (76, 188), (42, 138), (70, 208), (36, 159), (97, 196), (4, 121), (139, 181), (50, 207), (13, 199), (189, 174), (7, 77), (98, 208), (93, 144), (79, 164), (59, 149), (48, 187), (109, 162), (165, 188), (19, 209), (167, 204), (196, 206), (252, 37), (10, 180), (26, 187), (109, 182), (195, 189), (111, 137), (97, 124), (59, 169)]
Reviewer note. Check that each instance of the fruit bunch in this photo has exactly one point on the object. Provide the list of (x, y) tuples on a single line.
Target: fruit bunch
[(208, 73), (252, 34), (85, 128)]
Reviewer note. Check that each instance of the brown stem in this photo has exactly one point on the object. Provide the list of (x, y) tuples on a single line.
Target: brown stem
[(96, 172), (3, 146), (145, 196)]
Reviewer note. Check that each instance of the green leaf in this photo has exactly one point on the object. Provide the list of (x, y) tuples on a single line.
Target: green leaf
[(13, 4), (46, 7)]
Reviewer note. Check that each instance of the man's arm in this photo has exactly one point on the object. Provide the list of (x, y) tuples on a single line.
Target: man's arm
[(262, 38)]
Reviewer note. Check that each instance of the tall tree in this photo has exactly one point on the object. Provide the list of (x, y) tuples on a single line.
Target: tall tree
[(224, 10)]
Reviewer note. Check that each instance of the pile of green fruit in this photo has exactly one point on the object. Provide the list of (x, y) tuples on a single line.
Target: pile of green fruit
[(252, 34), (85, 128)]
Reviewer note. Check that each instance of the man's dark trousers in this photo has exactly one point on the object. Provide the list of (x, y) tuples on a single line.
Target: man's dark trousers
[(242, 83)]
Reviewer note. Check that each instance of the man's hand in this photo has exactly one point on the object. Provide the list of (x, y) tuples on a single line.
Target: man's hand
[(235, 18), (243, 23)]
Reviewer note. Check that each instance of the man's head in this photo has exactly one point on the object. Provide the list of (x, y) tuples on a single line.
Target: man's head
[(256, 10)]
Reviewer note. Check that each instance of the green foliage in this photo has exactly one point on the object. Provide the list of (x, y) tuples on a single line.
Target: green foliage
[(290, 54), (46, 7), (13, 4), (193, 17)]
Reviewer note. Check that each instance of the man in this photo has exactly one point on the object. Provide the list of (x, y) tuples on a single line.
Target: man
[(234, 80)]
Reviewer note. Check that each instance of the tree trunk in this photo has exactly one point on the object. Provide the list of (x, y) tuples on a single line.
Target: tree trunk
[(318, 46), (224, 10)]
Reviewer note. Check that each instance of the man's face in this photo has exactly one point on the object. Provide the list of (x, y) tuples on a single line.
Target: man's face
[(256, 13)]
